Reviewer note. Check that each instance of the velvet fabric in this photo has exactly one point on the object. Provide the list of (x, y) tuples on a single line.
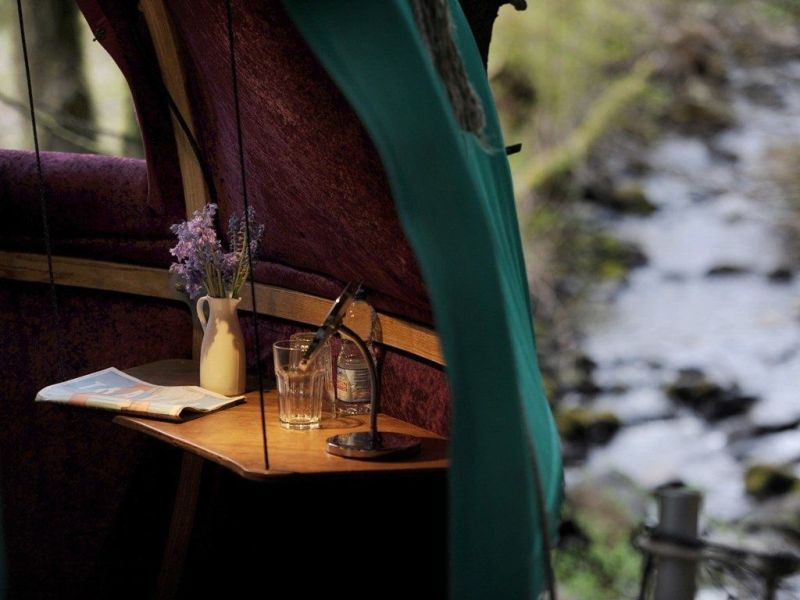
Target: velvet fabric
[(97, 207), (85, 502)]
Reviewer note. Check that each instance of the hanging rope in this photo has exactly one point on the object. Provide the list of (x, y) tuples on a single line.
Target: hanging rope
[(42, 193), (433, 21), (235, 83)]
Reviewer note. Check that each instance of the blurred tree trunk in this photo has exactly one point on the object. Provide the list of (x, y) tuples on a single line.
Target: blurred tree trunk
[(132, 144), (59, 82)]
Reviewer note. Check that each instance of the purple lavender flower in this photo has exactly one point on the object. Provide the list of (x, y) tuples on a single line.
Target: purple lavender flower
[(201, 261)]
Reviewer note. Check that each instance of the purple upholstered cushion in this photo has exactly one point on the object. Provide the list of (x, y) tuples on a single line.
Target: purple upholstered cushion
[(97, 207)]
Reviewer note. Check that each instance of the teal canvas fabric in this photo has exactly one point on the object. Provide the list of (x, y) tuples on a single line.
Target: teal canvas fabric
[(454, 198)]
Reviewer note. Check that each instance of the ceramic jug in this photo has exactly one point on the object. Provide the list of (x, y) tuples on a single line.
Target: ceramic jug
[(222, 358)]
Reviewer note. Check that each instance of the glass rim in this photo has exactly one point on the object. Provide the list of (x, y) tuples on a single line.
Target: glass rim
[(285, 345)]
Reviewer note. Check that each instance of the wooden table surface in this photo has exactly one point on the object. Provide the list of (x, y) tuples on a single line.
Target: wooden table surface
[(232, 437)]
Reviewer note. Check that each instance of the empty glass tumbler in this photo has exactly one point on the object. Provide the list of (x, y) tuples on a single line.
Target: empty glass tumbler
[(324, 357), (300, 390)]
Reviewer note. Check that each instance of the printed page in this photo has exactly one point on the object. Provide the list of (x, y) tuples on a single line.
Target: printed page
[(111, 389)]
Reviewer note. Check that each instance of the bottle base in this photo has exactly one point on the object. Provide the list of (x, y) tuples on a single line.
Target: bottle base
[(352, 408)]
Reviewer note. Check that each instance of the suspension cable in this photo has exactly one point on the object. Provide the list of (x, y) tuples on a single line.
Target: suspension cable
[(42, 192), (235, 83)]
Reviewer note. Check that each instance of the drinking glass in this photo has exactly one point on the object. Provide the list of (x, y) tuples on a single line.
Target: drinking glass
[(300, 387), (324, 357)]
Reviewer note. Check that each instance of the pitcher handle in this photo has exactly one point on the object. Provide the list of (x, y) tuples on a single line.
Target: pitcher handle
[(201, 313)]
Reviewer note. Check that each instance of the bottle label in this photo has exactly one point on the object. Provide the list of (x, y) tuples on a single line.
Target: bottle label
[(352, 385)]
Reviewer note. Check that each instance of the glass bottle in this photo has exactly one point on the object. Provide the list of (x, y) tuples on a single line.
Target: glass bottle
[(352, 381)]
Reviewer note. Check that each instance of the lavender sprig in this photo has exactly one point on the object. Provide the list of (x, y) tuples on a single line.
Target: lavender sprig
[(201, 261)]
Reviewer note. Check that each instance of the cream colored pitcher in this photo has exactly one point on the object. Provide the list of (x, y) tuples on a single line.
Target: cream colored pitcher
[(222, 355)]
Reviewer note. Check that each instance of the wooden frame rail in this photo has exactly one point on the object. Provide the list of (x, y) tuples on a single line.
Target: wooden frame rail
[(271, 300)]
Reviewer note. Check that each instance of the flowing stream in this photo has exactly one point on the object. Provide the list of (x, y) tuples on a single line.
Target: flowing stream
[(716, 209)]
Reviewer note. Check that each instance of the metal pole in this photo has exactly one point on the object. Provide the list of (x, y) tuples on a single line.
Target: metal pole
[(678, 512)]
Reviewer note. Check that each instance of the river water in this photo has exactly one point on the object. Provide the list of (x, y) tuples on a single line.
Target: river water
[(716, 208)]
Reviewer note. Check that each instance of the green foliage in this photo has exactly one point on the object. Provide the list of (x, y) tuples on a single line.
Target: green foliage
[(563, 71), (607, 567), (564, 50)]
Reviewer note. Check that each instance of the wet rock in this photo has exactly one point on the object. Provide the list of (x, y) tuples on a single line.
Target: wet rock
[(628, 198), (616, 257), (694, 50), (723, 155), (674, 276), (780, 275), (587, 387), (583, 380), (701, 110), (733, 403), (575, 378), (750, 431), (765, 481), (709, 399), (727, 271), (586, 426), (692, 386), (585, 364), (702, 196), (780, 514), (763, 94)]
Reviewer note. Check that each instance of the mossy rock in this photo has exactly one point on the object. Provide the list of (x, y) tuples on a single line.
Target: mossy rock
[(780, 275), (765, 481), (709, 399), (616, 258), (627, 198), (588, 426), (632, 199), (726, 270), (701, 109), (692, 387)]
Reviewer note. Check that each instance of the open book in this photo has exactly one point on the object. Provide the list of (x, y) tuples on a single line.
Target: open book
[(111, 389)]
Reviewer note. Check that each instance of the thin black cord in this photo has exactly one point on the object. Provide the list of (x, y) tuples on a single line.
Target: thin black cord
[(235, 82), (42, 191)]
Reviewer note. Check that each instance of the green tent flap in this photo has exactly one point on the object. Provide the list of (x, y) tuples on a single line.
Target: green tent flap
[(454, 198)]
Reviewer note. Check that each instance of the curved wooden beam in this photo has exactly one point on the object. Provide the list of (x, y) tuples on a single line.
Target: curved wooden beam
[(195, 192), (271, 300)]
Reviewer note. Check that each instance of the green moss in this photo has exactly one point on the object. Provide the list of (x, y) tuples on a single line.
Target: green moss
[(632, 199), (606, 567), (764, 481), (584, 424)]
